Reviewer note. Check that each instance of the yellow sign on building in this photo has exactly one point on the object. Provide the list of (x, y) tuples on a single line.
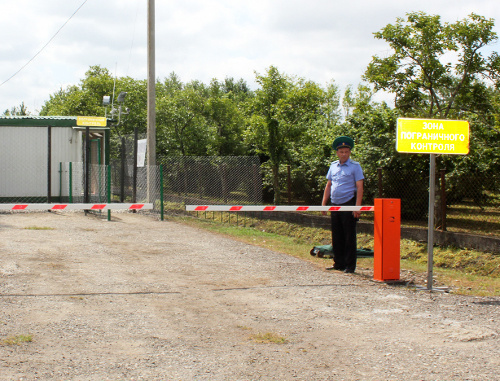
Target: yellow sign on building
[(91, 121), (432, 136)]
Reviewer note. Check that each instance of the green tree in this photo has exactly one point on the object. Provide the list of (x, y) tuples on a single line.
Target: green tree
[(312, 153), (225, 118), (192, 119), (279, 117), (437, 70), (264, 122), (134, 107), (22, 110), (181, 126), (372, 125), (84, 99)]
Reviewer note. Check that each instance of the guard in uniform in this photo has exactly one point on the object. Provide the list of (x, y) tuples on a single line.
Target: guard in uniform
[(344, 187)]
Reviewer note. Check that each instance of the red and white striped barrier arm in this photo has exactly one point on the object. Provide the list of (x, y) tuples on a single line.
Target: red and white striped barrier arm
[(274, 208), (85, 206)]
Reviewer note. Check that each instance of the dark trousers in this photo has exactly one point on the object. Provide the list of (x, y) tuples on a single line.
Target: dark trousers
[(344, 238)]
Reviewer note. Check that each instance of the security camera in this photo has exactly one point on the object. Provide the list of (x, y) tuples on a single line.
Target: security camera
[(121, 96)]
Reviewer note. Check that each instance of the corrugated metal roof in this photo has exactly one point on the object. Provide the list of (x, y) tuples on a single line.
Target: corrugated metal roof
[(49, 117), (40, 121)]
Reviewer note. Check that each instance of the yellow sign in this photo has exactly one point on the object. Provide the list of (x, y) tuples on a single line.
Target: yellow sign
[(91, 121), (432, 136)]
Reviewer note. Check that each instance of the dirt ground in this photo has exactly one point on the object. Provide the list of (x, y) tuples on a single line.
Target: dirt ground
[(141, 299)]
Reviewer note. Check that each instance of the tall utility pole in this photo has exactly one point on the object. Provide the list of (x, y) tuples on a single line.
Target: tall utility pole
[(151, 125)]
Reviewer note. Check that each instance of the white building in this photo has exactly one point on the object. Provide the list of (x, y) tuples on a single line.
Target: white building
[(34, 148)]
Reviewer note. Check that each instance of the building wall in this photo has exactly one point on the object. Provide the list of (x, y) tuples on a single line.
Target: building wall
[(24, 159)]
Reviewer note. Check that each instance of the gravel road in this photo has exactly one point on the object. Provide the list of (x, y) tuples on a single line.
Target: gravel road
[(140, 299)]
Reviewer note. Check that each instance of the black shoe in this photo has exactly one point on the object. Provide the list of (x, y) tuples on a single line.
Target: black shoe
[(349, 271), (334, 267)]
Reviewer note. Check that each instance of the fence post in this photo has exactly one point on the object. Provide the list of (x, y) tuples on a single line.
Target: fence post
[(70, 182), (225, 194), (255, 184), (87, 167), (122, 171), (443, 199), (380, 190), (201, 181), (60, 180), (49, 164), (134, 175), (99, 175), (289, 184), (184, 177), (162, 207), (108, 170)]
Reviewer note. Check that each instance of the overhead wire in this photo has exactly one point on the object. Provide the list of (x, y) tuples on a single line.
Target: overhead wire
[(47, 44)]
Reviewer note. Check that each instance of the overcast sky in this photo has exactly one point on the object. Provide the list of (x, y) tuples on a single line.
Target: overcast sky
[(319, 40)]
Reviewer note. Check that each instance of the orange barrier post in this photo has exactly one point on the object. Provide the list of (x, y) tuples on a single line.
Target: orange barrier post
[(387, 235)]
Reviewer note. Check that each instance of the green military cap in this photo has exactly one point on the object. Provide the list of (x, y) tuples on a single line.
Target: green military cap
[(343, 141)]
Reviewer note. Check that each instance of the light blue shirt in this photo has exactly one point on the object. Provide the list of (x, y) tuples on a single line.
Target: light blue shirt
[(344, 178)]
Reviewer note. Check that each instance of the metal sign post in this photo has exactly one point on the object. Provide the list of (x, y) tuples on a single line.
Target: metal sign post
[(430, 221), (432, 136)]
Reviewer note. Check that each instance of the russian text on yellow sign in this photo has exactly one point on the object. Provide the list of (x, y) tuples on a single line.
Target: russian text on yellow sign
[(432, 136), (91, 121)]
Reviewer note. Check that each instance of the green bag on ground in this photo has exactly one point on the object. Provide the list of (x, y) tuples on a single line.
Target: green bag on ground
[(326, 251)]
